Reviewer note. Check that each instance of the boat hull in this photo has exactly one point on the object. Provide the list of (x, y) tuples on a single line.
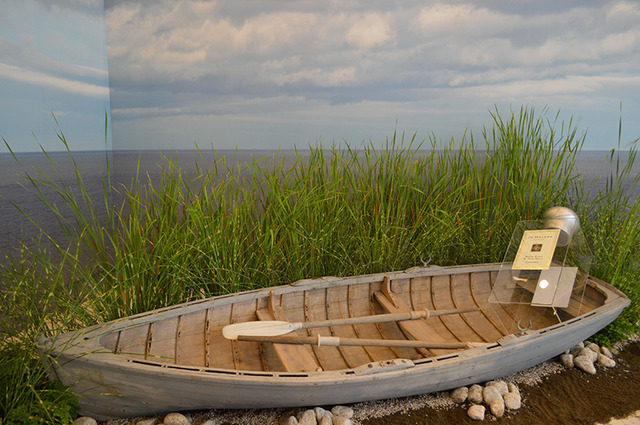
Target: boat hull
[(112, 386)]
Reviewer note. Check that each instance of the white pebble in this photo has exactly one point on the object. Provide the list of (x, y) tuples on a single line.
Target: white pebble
[(291, 420), (606, 352), (593, 347), (212, 422), (513, 388), (592, 355), (497, 408), (501, 386), (567, 360), (475, 394), (326, 420), (584, 363), (490, 394), (341, 420), (476, 412), (308, 417), (575, 350), (320, 412), (512, 401), (459, 395), (176, 419), (606, 361), (343, 411), (152, 421), (85, 420)]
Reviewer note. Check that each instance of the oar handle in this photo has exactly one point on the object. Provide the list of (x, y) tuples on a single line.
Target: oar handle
[(334, 341), (275, 327), (381, 318), (434, 313)]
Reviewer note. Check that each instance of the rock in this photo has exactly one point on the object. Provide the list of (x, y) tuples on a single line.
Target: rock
[(497, 408), (513, 388), (512, 401), (606, 352), (500, 385), (606, 361), (320, 412), (326, 420), (584, 363), (341, 420), (476, 412), (586, 352), (459, 395), (291, 420), (575, 350), (567, 360), (176, 419), (343, 411), (490, 394), (475, 394), (85, 420), (213, 422), (593, 347), (152, 421), (308, 417)]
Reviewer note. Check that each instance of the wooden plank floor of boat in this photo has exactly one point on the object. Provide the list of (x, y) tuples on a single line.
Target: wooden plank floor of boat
[(195, 338)]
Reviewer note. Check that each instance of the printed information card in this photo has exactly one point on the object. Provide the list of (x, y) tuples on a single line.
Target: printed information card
[(536, 249)]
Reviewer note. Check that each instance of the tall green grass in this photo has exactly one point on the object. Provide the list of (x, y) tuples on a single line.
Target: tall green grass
[(326, 211)]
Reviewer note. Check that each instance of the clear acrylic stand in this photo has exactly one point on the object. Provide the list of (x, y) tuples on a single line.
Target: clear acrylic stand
[(544, 266)]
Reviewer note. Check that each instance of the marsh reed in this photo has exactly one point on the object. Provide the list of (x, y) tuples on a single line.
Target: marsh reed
[(332, 210)]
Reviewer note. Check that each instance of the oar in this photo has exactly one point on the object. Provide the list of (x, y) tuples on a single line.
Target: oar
[(279, 327), (334, 341)]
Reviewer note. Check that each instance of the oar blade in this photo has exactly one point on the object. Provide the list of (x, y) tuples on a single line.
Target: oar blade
[(262, 328)]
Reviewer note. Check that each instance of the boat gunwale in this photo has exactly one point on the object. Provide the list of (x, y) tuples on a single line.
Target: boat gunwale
[(254, 294), (90, 349), (107, 360)]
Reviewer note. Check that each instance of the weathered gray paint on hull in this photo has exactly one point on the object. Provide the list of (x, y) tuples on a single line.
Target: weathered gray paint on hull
[(164, 391), (145, 389)]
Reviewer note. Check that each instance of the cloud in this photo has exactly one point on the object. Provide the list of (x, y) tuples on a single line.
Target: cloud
[(223, 58), (575, 85), (40, 79), (453, 20), (368, 31), (53, 59), (623, 15), (62, 7), (178, 43), (58, 51), (319, 77), (172, 42), (183, 41), (25, 54)]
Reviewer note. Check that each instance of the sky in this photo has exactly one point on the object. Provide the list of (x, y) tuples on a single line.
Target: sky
[(258, 74), (53, 63), (263, 74)]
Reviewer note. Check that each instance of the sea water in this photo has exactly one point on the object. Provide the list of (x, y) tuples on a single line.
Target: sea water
[(20, 206)]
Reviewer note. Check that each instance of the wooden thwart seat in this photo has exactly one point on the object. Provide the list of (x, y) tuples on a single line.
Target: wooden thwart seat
[(294, 358), (416, 329)]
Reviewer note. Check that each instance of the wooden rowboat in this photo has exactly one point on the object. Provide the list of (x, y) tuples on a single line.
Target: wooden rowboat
[(177, 358)]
